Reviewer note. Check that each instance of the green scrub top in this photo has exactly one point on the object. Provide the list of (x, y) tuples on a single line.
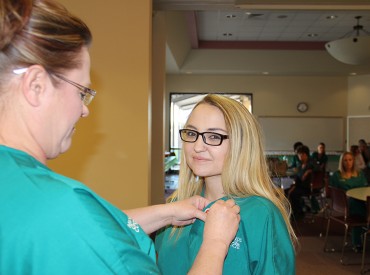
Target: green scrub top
[(336, 180), (51, 224), (356, 207), (262, 244)]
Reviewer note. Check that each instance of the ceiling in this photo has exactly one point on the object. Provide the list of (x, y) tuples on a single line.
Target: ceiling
[(269, 24)]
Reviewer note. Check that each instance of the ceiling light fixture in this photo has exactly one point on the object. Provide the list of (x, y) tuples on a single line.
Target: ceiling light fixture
[(312, 35), (331, 17), (230, 16), (354, 48)]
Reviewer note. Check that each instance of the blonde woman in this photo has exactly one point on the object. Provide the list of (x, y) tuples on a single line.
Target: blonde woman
[(348, 177), (223, 157)]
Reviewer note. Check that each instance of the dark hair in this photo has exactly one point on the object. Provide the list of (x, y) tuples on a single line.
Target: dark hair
[(354, 148), (362, 141), (296, 145), (303, 150), (40, 32)]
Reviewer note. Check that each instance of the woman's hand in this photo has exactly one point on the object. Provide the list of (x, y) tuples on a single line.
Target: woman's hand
[(222, 222), (186, 211), (220, 229)]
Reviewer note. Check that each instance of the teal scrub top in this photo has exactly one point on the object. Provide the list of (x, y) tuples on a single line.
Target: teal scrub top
[(262, 244), (51, 224), (336, 180), (356, 207)]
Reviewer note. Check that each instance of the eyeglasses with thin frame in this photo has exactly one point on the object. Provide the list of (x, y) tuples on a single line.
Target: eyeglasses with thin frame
[(87, 94), (210, 138)]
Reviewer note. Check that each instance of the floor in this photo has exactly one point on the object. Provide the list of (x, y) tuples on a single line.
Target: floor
[(311, 258)]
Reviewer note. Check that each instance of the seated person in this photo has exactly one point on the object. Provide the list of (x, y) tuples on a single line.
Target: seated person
[(365, 152), (303, 179), (359, 159), (319, 158), (296, 160), (347, 177)]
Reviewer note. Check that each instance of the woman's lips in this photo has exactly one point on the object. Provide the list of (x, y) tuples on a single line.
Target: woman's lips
[(199, 158)]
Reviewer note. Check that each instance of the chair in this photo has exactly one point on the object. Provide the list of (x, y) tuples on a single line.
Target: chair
[(339, 212), (316, 194), (326, 201), (367, 231)]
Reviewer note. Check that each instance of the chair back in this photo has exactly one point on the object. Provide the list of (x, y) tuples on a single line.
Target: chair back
[(368, 210), (326, 185), (339, 202), (317, 180)]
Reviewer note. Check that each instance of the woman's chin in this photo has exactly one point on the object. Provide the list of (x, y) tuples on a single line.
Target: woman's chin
[(66, 145)]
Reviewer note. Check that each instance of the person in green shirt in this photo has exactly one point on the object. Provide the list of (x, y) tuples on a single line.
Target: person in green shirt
[(319, 158), (223, 157), (347, 177), (51, 224), (302, 181), (296, 161)]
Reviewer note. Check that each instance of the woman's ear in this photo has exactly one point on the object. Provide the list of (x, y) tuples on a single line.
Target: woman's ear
[(34, 84)]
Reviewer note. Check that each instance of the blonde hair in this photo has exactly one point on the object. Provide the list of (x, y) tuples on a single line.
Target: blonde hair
[(245, 171), (341, 166)]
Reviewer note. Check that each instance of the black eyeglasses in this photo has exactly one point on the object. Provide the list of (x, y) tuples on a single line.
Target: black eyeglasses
[(210, 138), (87, 94)]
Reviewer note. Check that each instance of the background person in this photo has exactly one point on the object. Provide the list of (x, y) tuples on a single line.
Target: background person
[(295, 161), (358, 158), (223, 157), (319, 158), (51, 224), (346, 178), (302, 181), (365, 152)]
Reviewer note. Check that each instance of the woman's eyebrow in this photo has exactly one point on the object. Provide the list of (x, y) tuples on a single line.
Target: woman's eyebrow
[(216, 129), (190, 126), (208, 129)]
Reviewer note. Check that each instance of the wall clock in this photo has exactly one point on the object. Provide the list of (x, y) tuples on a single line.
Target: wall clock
[(302, 107)]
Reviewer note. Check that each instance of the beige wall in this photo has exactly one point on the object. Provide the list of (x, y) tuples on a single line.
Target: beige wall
[(359, 96), (273, 96), (158, 100), (111, 148), (177, 36)]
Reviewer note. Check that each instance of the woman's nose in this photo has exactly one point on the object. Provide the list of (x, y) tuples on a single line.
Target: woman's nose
[(85, 111), (199, 144)]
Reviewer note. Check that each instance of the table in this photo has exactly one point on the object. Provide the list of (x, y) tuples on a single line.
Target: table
[(283, 182), (359, 193)]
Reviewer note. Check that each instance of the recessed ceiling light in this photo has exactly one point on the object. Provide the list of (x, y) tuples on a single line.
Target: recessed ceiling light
[(330, 17), (312, 35), (230, 16), (265, 73), (352, 73), (253, 15)]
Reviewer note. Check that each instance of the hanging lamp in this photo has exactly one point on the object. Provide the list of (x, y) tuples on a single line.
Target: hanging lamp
[(354, 48)]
